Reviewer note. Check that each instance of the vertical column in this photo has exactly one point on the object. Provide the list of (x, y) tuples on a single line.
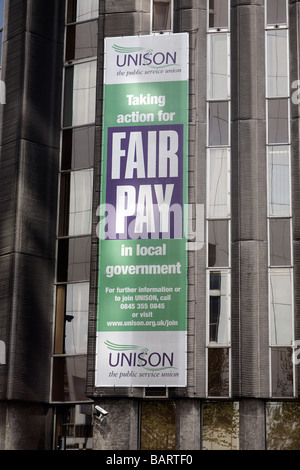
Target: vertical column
[(32, 47), (249, 202)]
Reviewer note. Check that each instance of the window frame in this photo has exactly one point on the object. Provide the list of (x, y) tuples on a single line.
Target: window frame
[(267, 33), (209, 93), (270, 186), (163, 31), (218, 28), (211, 214), (274, 25), (227, 314)]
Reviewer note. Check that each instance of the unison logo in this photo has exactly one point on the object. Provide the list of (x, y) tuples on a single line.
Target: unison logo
[(140, 56), (137, 356)]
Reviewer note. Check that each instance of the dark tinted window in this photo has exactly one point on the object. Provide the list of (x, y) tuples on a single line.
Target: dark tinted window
[(74, 259), (81, 40), (282, 372), (218, 123), (278, 131), (218, 372), (280, 242), (218, 243), (276, 12), (78, 148), (218, 13)]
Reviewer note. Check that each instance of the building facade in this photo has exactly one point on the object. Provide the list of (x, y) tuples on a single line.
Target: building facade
[(242, 306)]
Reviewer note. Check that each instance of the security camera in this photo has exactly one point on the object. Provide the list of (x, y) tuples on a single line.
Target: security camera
[(101, 410), (100, 414)]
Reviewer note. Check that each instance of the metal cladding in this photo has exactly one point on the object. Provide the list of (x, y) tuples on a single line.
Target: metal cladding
[(32, 50)]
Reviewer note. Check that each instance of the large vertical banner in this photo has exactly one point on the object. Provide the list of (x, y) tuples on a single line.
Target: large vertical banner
[(142, 292)]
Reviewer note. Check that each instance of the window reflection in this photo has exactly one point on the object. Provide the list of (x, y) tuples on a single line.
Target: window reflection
[(218, 123), (276, 12), (220, 426), (80, 94), (76, 194), (218, 81), (82, 10), (218, 249), (76, 318), (162, 15), (78, 148), (69, 379), (81, 40), (71, 326), (219, 180), (279, 181), (277, 63), (280, 242), (282, 372), (74, 427), (74, 259), (219, 307), (158, 425), (281, 309), (278, 122), (282, 425), (218, 372), (218, 13), (81, 194)]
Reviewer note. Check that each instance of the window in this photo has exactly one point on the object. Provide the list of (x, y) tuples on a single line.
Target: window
[(218, 123), (74, 427), (218, 372), (80, 94), (81, 40), (283, 419), (218, 14), (280, 242), (219, 305), (74, 259), (72, 318), (76, 203), (158, 419), (81, 195), (76, 325), (221, 425), (279, 199), (78, 148), (162, 15), (282, 372), (281, 308), (278, 121), (276, 12), (218, 66), (218, 200), (82, 10), (218, 250), (277, 63), (69, 376)]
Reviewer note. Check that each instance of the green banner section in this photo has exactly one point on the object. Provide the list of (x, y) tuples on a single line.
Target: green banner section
[(142, 286), (146, 103)]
